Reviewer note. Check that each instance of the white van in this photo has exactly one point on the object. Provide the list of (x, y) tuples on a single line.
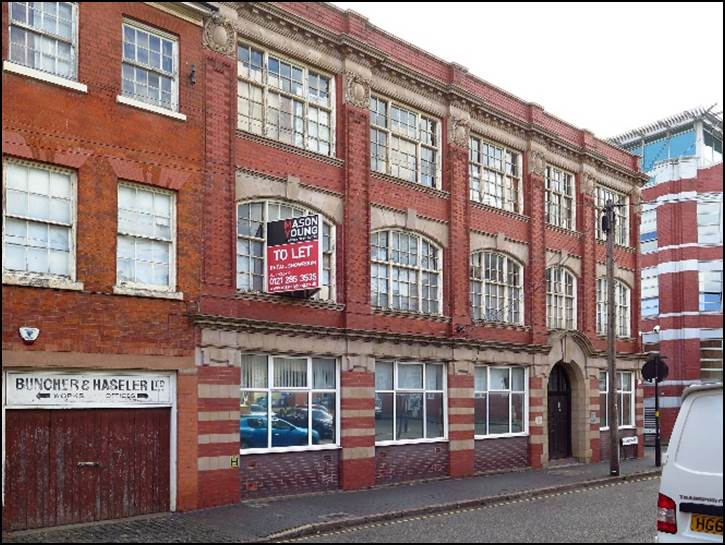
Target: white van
[(690, 508)]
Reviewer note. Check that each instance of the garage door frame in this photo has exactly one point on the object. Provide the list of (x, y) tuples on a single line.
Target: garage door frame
[(10, 400)]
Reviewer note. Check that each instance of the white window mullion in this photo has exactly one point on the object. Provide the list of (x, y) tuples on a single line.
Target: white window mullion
[(425, 390), (488, 400), (511, 408), (419, 279), (270, 385), (395, 401), (310, 385)]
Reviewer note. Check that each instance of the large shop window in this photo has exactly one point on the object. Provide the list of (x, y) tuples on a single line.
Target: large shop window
[(44, 36), (622, 296), (560, 298), (410, 402), (496, 288), (285, 100), (405, 272), (501, 401), (494, 175), (252, 218), (621, 213), (625, 392), (39, 214), (298, 396), (404, 143), (560, 198)]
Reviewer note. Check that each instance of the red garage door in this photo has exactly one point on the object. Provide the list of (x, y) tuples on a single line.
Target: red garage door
[(69, 466)]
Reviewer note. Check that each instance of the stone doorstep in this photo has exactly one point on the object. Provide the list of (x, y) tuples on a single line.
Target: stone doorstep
[(488, 501)]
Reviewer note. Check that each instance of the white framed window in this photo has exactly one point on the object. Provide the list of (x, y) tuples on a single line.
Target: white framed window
[(621, 213), (650, 292), (410, 402), (150, 67), (44, 36), (285, 100), (625, 393), (648, 229), (560, 198), (711, 290), (709, 220), (494, 175), (252, 218), (404, 143), (39, 220), (146, 245), (497, 293), (405, 272), (501, 401), (622, 304), (560, 298), (299, 396)]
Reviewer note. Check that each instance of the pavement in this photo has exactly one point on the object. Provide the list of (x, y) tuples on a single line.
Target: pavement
[(277, 519)]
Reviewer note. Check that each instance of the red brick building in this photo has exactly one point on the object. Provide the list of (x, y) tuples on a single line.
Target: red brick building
[(681, 243), (101, 254), (458, 327)]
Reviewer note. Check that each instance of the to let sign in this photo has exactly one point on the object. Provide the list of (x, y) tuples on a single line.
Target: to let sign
[(294, 254)]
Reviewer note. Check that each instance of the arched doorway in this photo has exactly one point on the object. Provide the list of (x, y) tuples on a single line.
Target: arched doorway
[(559, 396)]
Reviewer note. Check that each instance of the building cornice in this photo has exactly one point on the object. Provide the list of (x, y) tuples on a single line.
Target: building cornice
[(290, 329), (192, 12)]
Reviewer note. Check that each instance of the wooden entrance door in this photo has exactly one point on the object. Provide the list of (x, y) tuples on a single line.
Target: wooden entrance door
[(559, 414), (70, 466)]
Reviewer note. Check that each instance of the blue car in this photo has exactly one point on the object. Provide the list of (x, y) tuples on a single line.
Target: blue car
[(253, 431)]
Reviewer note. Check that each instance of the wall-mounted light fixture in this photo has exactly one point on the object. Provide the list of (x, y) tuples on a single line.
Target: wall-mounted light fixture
[(192, 75)]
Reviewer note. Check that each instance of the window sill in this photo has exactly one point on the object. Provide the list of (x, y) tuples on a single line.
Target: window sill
[(60, 81), (413, 185), (499, 436), (37, 281), (149, 107), (303, 152), (326, 304), (565, 230), (497, 210), (620, 428), (281, 450), (617, 245), (410, 442), (410, 314), (501, 325), (145, 292), (603, 337)]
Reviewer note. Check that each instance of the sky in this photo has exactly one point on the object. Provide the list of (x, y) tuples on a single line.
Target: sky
[(608, 67)]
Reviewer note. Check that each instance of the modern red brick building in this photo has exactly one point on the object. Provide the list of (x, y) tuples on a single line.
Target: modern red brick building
[(459, 326), (682, 244)]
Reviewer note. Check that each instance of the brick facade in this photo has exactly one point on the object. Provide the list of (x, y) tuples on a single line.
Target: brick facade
[(212, 166), (102, 143), (501, 454), (398, 464), (679, 308)]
